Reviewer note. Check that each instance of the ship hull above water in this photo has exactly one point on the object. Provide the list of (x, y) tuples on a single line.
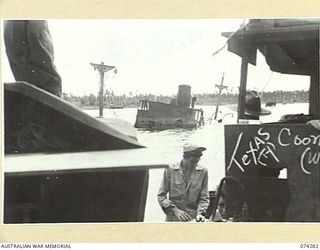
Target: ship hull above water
[(156, 115)]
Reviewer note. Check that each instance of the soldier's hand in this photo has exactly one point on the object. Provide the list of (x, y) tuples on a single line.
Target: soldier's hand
[(200, 218), (182, 215)]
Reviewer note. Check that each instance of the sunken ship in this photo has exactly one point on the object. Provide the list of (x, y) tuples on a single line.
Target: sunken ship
[(179, 113)]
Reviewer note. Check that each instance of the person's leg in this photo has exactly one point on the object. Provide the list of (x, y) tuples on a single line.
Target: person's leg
[(30, 53)]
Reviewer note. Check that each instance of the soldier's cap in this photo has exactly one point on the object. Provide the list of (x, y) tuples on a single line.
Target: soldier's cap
[(192, 149)]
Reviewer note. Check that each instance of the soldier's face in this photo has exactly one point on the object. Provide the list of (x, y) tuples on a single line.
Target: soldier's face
[(193, 161)]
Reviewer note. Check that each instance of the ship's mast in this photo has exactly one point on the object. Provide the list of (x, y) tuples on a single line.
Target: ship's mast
[(220, 87), (102, 69)]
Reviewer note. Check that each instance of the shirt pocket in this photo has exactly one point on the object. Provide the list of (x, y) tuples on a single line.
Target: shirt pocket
[(177, 188)]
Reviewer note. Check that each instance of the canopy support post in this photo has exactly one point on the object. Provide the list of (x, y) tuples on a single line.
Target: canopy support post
[(242, 89), (314, 96)]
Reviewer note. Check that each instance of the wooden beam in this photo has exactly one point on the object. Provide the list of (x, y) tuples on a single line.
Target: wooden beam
[(101, 94), (140, 158), (27, 90), (242, 89), (314, 96), (265, 35)]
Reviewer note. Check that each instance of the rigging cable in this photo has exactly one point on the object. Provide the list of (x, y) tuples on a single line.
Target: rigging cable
[(267, 83), (232, 34)]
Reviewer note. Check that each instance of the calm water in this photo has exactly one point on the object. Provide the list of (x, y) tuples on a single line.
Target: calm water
[(168, 144)]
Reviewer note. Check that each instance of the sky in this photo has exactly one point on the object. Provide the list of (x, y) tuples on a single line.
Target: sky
[(154, 56)]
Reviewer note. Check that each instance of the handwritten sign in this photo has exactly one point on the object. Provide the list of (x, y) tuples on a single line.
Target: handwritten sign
[(253, 152), (273, 146)]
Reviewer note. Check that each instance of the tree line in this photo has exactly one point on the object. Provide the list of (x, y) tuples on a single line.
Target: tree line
[(129, 100)]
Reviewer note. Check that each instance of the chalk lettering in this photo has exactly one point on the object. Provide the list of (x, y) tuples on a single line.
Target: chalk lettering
[(273, 154), (281, 143), (272, 145), (261, 153), (315, 159), (315, 138), (244, 158), (302, 161), (265, 152), (258, 141), (257, 153), (307, 140), (260, 149), (266, 134), (252, 151), (234, 154), (297, 140)]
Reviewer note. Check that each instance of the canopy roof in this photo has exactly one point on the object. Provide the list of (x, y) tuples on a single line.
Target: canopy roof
[(290, 46)]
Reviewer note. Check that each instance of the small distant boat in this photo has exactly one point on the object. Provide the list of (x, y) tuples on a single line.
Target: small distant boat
[(116, 106), (113, 102), (270, 104)]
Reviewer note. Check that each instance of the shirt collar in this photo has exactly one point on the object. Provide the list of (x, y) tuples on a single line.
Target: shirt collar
[(178, 166), (199, 167)]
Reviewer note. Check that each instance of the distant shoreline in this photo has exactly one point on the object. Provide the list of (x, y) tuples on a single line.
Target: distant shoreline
[(197, 104), (88, 102)]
